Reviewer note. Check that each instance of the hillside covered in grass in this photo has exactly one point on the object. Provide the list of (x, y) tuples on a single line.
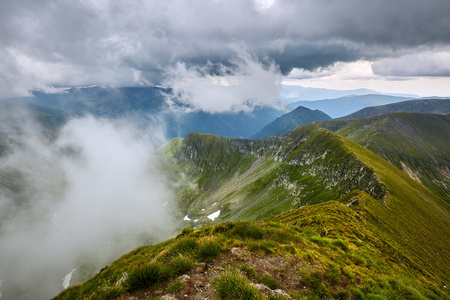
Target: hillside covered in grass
[(430, 106), (255, 179), (364, 230), (418, 144), (330, 250)]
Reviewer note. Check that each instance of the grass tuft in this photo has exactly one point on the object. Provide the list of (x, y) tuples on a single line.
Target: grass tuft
[(143, 277), (233, 285), (208, 250), (175, 286), (185, 246), (270, 282), (182, 264), (247, 270)]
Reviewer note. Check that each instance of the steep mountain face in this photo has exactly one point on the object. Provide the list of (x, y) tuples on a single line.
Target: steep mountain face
[(147, 106), (254, 179), (431, 106), (287, 122), (385, 237), (418, 144), (343, 106)]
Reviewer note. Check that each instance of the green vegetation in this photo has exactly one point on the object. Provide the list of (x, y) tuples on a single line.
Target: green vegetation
[(208, 251), (430, 106), (269, 281), (143, 277), (182, 264), (387, 241), (418, 144), (175, 286), (232, 285), (340, 251), (256, 179)]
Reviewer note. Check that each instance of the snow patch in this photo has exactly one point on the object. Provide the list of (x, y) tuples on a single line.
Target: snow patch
[(66, 279), (186, 218), (214, 203), (214, 215)]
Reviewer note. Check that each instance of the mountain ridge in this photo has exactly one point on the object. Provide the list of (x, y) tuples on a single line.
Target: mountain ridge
[(199, 158), (352, 246), (343, 106), (287, 122), (432, 106), (416, 143), (148, 107)]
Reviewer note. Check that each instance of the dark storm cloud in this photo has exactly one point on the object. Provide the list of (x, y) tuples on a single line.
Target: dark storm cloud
[(133, 42), (313, 56)]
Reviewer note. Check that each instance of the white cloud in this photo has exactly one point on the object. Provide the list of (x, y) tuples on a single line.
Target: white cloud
[(217, 88), (417, 64), (360, 69), (123, 43), (86, 198), (399, 76), (264, 4)]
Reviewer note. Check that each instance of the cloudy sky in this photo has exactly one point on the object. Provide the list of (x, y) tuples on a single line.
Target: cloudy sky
[(400, 46)]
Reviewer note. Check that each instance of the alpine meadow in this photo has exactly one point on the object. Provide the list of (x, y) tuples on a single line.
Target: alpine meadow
[(221, 150)]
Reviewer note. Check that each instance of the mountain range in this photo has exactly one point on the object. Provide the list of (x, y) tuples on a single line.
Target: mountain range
[(431, 106), (339, 222), (343, 208), (415, 142), (294, 93), (339, 107), (148, 107)]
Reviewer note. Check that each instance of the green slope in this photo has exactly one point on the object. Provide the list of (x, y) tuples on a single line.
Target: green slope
[(337, 249), (412, 216), (387, 242), (418, 144), (431, 106), (255, 179)]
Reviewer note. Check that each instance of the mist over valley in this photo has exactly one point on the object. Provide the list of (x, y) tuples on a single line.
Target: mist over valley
[(239, 149)]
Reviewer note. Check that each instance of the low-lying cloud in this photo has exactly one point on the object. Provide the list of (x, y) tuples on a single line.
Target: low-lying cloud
[(77, 201), (242, 85)]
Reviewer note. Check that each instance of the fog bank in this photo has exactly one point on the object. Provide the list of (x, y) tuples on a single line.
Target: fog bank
[(75, 201)]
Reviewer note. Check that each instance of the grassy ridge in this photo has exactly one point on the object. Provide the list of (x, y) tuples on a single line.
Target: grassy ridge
[(388, 242), (415, 143), (431, 106), (255, 179), (329, 250), (413, 216)]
